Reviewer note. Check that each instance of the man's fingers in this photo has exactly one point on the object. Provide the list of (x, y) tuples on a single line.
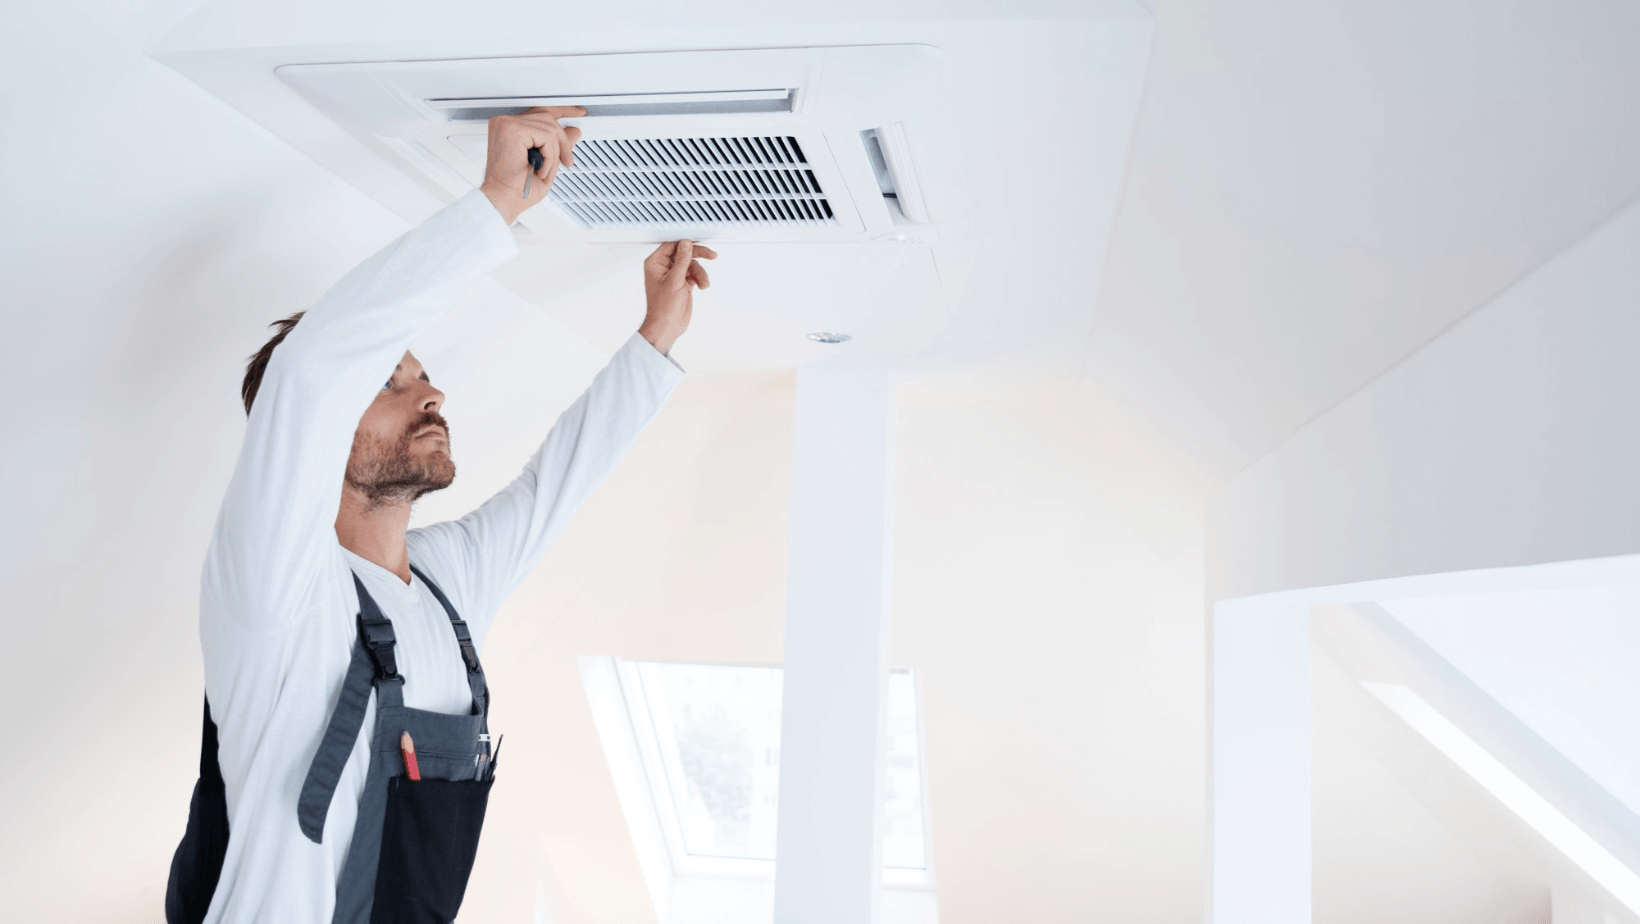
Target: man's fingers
[(697, 273), (681, 258), (661, 258), (557, 142), (571, 135), (541, 130), (558, 145), (702, 251)]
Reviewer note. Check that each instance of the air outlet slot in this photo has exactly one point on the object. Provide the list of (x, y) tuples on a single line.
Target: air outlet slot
[(721, 102), (692, 181), (889, 152)]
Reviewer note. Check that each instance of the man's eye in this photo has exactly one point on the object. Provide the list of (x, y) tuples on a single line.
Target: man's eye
[(388, 385)]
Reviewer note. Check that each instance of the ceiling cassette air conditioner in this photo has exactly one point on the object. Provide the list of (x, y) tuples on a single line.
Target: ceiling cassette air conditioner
[(806, 144)]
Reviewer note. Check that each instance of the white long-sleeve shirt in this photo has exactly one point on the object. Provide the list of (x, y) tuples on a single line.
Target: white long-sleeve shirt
[(277, 601)]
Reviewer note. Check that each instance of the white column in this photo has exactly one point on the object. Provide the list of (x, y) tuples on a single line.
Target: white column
[(828, 865), (1261, 763)]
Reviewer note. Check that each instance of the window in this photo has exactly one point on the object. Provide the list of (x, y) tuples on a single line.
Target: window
[(903, 827), (701, 742), (714, 738)]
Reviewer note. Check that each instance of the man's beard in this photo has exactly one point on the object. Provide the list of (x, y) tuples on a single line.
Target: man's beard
[(388, 475)]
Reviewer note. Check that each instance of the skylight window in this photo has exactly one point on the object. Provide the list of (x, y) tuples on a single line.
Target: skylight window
[(706, 738), (1512, 791), (716, 730)]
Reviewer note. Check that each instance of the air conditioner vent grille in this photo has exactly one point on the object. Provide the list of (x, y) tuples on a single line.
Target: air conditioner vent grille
[(692, 181)]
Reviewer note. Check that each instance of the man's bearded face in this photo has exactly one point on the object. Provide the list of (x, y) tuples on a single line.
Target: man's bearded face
[(392, 471), (401, 449)]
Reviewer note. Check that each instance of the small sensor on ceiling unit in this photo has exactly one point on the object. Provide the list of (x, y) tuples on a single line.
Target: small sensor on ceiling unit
[(723, 102), (692, 181)]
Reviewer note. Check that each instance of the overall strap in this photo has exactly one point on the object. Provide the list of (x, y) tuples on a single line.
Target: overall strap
[(373, 664), (469, 654)]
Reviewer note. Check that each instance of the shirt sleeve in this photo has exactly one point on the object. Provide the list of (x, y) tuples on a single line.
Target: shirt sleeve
[(492, 549), (276, 526)]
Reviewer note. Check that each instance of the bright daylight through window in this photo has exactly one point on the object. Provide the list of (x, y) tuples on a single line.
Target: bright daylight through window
[(710, 739)]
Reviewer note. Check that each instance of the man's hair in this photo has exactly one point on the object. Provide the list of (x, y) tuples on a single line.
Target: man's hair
[(258, 363)]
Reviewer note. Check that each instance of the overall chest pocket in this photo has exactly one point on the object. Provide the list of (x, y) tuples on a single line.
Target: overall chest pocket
[(429, 838)]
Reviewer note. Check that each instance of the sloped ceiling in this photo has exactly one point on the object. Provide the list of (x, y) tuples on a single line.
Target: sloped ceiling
[(1317, 189)]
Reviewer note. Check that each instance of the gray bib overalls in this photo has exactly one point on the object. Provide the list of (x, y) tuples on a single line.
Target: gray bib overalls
[(414, 841)]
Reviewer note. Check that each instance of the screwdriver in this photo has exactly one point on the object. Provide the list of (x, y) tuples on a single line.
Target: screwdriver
[(536, 161)]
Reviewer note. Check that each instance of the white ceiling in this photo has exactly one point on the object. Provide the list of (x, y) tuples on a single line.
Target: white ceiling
[(1311, 191), (1317, 189)]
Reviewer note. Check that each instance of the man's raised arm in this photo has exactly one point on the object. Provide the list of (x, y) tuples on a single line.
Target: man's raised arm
[(277, 522), (486, 553)]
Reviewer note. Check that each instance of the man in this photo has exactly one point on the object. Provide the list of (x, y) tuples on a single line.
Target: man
[(331, 631)]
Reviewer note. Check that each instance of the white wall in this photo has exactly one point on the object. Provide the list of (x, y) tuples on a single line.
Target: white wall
[(1060, 653), (1509, 440), (1059, 649)]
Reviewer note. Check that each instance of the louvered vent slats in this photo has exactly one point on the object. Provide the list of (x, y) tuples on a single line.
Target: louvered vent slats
[(692, 181)]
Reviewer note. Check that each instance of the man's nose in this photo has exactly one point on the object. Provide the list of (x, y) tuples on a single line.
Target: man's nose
[(432, 399)]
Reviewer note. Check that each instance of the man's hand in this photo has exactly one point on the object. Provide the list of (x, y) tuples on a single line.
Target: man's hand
[(508, 163), (670, 276)]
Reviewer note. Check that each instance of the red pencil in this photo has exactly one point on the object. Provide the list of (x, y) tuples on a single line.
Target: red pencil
[(409, 749)]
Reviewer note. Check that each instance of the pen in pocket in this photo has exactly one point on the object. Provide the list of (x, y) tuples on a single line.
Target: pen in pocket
[(409, 748)]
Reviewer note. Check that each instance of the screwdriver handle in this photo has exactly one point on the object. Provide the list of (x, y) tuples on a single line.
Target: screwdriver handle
[(536, 162)]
